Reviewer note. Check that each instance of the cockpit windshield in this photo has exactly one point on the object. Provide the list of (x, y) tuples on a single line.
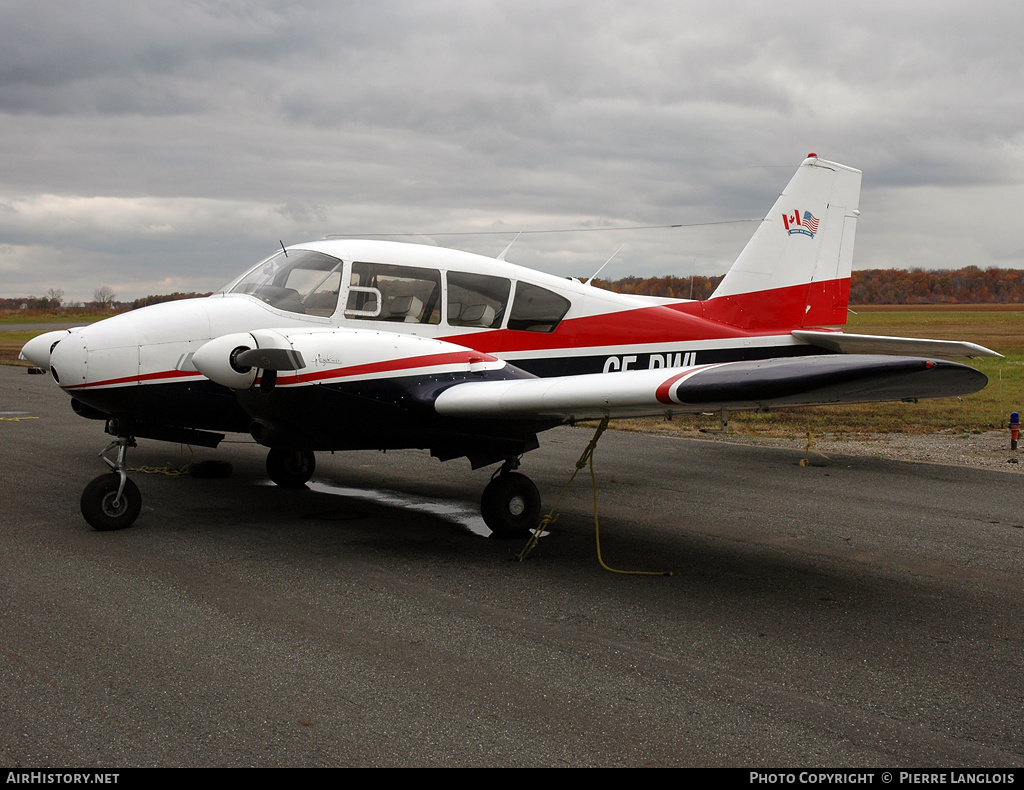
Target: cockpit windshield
[(301, 281)]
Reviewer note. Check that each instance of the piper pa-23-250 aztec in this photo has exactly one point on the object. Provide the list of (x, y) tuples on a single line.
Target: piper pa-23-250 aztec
[(347, 345)]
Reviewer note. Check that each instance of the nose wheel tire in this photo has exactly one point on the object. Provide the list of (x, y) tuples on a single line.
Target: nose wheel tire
[(102, 507), (510, 505), (290, 468)]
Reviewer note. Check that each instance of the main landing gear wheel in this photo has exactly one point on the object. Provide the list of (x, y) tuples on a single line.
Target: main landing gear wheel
[(290, 468), (104, 509), (510, 505)]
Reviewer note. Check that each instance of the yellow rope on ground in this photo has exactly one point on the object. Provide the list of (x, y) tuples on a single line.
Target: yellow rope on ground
[(16, 419), (806, 460), (552, 516), (169, 470)]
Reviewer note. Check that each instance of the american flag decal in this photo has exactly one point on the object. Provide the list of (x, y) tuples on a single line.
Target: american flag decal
[(807, 224)]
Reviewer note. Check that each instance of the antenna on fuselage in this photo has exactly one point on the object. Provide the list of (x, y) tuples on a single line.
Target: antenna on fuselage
[(604, 264), (281, 242), (504, 252)]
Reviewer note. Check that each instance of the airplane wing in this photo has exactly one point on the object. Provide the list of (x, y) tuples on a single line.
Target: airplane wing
[(845, 343), (734, 386)]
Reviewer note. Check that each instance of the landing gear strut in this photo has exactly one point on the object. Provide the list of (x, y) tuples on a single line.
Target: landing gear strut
[(112, 501), (290, 468), (511, 502)]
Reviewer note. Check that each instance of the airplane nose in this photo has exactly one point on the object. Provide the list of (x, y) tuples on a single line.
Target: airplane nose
[(98, 355), (69, 360), (38, 349)]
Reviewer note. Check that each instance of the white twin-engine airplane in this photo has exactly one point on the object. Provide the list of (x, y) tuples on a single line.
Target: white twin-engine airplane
[(346, 345)]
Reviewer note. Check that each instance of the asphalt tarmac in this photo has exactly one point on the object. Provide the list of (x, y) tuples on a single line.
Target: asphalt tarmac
[(855, 612)]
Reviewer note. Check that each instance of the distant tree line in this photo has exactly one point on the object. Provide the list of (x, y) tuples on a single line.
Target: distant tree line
[(145, 301), (969, 285), (103, 299), (671, 287)]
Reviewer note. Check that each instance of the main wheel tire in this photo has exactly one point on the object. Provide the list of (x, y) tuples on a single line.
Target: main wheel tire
[(510, 505), (290, 468), (98, 503)]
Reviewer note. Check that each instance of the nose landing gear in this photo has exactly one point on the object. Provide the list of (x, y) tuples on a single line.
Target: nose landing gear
[(112, 501)]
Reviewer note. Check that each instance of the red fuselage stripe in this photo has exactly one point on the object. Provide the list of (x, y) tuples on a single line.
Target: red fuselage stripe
[(412, 364), (775, 311), (163, 374)]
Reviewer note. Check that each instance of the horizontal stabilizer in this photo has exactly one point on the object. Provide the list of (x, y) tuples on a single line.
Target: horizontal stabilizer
[(844, 343), (736, 386)]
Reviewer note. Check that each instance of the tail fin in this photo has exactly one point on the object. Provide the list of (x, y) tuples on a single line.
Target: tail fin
[(795, 270)]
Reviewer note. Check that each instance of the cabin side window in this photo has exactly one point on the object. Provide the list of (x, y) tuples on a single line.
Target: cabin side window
[(300, 282), (385, 292), (477, 299), (536, 309)]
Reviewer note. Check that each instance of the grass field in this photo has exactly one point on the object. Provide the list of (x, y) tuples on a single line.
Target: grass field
[(8, 317), (12, 341), (999, 327)]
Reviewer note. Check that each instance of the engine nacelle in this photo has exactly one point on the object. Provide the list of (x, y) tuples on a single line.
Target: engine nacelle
[(216, 360)]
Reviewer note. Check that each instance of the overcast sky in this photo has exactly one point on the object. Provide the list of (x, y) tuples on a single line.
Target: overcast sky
[(162, 146)]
